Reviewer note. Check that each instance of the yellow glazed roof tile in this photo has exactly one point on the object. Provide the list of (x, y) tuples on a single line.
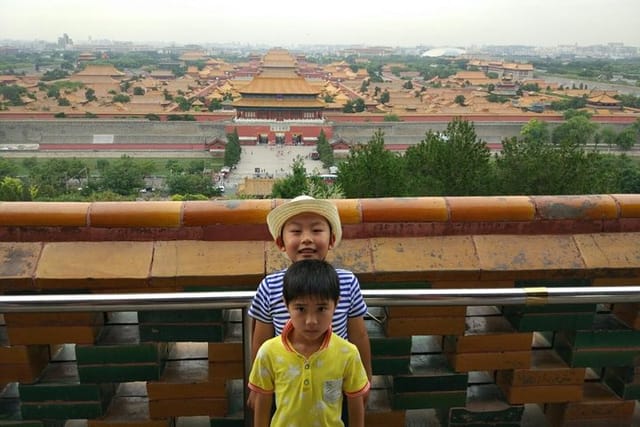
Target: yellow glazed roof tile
[(135, 214), (425, 258), (226, 212), (611, 251), (354, 255), (402, 209), (349, 210), (88, 265), (44, 214), (576, 207), (629, 205), (527, 256), (17, 265), (274, 259), (186, 263), (508, 208)]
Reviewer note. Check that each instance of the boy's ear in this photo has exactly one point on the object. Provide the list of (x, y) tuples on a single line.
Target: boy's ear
[(332, 240), (280, 243)]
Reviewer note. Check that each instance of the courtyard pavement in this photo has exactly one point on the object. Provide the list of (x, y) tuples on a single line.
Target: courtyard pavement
[(271, 161)]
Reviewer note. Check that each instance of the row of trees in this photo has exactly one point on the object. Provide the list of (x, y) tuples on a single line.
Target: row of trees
[(119, 179), (456, 162)]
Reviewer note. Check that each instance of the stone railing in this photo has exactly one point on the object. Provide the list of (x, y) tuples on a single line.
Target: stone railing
[(472, 364)]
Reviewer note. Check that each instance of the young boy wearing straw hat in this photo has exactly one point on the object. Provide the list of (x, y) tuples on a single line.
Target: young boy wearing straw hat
[(307, 228)]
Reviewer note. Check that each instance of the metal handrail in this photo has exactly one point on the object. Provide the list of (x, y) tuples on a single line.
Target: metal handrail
[(373, 297), (379, 297)]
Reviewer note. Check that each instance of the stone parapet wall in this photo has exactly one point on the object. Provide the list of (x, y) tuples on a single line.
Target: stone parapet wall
[(472, 364), (83, 130)]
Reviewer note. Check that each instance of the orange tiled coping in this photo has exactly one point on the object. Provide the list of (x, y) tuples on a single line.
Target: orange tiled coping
[(446, 241), (362, 218)]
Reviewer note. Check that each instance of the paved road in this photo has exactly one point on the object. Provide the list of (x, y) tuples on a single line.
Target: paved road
[(595, 85), (271, 161)]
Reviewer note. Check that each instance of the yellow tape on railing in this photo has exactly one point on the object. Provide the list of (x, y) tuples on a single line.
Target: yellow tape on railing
[(536, 296)]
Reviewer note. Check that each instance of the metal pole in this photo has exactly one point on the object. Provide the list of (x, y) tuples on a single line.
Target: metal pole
[(247, 331), (378, 297)]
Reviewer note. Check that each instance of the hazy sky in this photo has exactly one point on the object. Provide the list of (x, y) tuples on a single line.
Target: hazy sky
[(290, 23)]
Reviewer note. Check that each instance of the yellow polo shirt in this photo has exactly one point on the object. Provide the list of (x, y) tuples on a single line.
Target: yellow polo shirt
[(308, 391)]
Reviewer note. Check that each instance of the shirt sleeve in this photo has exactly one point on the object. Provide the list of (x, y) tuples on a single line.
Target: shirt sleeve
[(259, 308), (355, 382), (358, 307), (261, 378)]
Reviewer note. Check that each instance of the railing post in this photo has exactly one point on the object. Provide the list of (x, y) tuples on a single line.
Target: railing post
[(247, 334)]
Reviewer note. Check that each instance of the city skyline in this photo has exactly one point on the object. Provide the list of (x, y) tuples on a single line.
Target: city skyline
[(287, 23)]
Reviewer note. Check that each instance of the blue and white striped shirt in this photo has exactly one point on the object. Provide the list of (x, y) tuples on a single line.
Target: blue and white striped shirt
[(268, 306)]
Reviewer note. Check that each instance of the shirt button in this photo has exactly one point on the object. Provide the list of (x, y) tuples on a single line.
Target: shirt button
[(306, 382), (306, 366)]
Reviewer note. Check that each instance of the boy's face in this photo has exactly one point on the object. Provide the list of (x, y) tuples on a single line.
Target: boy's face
[(311, 317), (306, 236)]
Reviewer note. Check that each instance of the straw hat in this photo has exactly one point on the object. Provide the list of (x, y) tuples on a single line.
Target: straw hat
[(304, 204)]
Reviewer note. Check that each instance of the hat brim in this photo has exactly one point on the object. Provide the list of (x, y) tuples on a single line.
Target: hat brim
[(277, 218)]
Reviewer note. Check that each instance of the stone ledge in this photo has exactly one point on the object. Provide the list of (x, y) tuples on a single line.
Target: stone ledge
[(596, 210), (193, 264)]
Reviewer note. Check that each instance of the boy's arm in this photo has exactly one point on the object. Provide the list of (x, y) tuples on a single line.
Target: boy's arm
[(358, 335), (262, 412), (356, 411), (261, 332)]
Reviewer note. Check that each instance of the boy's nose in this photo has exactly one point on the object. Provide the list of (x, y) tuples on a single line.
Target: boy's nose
[(312, 319)]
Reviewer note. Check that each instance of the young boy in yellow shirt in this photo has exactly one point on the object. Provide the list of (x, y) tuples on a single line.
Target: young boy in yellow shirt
[(308, 367)]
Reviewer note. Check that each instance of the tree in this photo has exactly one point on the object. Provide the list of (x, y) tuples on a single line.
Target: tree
[(12, 189), (232, 151), (358, 105), (536, 131), (385, 97), (325, 150), (407, 85), (7, 168), (626, 139), (460, 100), (348, 107), (526, 165), (452, 163), (138, 91), (183, 103), (123, 176), (13, 94), (53, 92), (607, 135), (576, 130), (52, 176), (190, 183), (293, 185), (532, 165), (215, 104), (121, 97), (90, 94), (371, 170)]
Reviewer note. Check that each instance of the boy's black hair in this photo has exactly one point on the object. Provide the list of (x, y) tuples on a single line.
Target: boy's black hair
[(311, 277)]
